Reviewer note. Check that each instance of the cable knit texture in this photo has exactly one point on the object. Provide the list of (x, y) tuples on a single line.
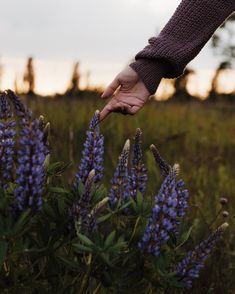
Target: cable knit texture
[(186, 33)]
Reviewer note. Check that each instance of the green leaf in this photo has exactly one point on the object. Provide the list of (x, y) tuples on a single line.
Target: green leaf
[(106, 259), (171, 275), (61, 206), (2, 227), (32, 250), (119, 246), (104, 218), (3, 251), (70, 263), (85, 240), (109, 239), (81, 248), (21, 222), (139, 200), (57, 168), (125, 205), (49, 211), (3, 203), (184, 238), (58, 190)]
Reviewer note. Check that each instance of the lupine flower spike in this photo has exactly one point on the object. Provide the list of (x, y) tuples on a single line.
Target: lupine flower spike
[(138, 177), (19, 109), (80, 214), (170, 205), (120, 183), (30, 171), (188, 269), (164, 167), (92, 155), (7, 141)]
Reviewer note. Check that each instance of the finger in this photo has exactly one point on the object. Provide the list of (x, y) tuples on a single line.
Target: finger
[(109, 91), (105, 112), (133, 110), (121, 107)]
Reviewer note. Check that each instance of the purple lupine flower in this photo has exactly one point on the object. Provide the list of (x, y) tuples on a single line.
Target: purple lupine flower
[(5, 108), (81, 217), (164, 167), (7, 142), (30, 173), (138, 173), (188, 269), (120, 184), (19, 108), (92, 155), (169, 207)]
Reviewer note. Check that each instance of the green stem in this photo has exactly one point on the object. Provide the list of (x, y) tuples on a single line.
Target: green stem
[(97, 289), (86, 277), (134, 231)]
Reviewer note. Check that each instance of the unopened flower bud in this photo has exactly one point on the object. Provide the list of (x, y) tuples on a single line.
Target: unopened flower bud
[(223, 227), (41, 122), (223, 201), (225, 213), (46, 133)]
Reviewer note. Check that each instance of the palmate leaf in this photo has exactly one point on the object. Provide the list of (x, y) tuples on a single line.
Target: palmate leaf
[(22, 221), (57, 168), (99, 193), (120, 245), (142, 209)]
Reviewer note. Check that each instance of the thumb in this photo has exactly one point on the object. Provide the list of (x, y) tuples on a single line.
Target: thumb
[(109, 91)]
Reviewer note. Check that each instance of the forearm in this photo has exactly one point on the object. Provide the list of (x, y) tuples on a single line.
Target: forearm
[(188, 30)]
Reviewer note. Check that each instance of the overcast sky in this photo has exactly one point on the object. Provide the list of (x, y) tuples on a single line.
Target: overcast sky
[(102, 34)]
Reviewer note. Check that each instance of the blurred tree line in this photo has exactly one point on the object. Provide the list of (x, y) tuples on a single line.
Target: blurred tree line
[(223, 45)]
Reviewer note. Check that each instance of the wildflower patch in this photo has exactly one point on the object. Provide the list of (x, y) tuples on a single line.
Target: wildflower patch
[(81, 237)]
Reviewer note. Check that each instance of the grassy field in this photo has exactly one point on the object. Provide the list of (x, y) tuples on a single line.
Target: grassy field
[(198, 136)]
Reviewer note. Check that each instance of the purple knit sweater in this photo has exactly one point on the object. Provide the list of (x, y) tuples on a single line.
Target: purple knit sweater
[(188, 30)]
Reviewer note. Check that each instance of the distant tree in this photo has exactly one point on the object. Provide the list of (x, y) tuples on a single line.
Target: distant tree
[(74, 85), (215, 80), (29, 77), (223, 45), (180, 84), (223, 41), (16, 85), (88, 75)]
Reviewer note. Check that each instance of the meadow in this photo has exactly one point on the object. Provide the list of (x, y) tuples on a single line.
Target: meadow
[(198, 136)]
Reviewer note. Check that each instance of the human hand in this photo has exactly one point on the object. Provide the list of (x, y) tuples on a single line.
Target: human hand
[(129, 94)]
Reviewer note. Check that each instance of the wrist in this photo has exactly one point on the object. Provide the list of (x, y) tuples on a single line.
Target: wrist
[(150, 72)]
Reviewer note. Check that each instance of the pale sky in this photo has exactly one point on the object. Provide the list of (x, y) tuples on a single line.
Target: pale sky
[(103, 35)]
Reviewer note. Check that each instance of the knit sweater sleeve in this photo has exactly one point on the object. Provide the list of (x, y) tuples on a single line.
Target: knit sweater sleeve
[(188, 30)]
